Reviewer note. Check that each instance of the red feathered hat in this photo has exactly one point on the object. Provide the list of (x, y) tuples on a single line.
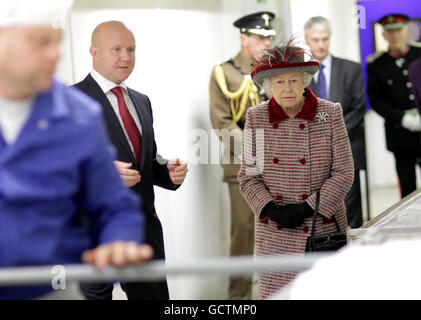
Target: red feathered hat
[(285, 57)]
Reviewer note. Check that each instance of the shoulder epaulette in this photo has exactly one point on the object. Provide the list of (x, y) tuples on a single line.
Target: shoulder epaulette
[(415, 44), (374, 56)]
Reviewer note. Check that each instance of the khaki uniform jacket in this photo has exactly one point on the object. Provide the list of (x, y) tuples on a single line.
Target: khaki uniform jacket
[(295, 158), (221, 116)]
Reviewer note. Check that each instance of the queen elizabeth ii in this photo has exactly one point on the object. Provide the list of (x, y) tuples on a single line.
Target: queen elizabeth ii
[(295, 145)]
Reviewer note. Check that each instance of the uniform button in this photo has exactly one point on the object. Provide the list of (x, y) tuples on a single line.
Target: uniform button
[(405, 72), (306, 229), (411, 97), (303, 161), (409, 85), (275, 126), (302, 126), (275, 160), (279, 197), (304, 196)]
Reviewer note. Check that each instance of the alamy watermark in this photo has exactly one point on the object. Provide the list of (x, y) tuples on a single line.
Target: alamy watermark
[(359, 17), (58, 281), (226, 147)]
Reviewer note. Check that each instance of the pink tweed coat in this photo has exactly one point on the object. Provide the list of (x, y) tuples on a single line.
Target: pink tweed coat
[(287, 161)]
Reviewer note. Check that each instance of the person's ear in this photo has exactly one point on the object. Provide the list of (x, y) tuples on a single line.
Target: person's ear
[(93, 51), (243, 38), (384, 35)]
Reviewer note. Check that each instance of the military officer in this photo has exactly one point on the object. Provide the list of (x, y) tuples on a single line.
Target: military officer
[(232, 92), (390, 95)]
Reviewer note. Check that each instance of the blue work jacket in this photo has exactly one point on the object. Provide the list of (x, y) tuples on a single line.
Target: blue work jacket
[(60, 193)]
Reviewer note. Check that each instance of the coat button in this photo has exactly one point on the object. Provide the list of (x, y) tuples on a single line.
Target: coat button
[(265, 221), (275, 126), (279, 197), (411, 97), (327, 221), (304, 196), (275, 160), (303, 161), (278, 227), (305, 229), (302, 126)]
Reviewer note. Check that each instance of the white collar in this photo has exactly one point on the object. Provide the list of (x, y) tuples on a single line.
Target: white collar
[(327, 61), (105, 84)]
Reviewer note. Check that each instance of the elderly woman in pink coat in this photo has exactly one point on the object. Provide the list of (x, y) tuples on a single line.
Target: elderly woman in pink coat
[(294, 145)]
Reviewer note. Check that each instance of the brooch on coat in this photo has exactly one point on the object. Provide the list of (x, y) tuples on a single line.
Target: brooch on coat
[(322, 116)]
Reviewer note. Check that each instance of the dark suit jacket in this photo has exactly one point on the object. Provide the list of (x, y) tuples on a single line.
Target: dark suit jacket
[(153, 168), (347, 87)]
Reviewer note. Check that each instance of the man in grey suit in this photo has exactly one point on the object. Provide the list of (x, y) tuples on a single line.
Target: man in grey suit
[(340, 80)]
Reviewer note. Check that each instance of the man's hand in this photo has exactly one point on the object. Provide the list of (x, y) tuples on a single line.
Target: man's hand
[(177, 170), (130, 177), (118, 253)]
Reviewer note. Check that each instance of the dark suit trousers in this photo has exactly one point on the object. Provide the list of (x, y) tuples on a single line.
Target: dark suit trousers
[(405, 166), (353, 203), (133, 290)]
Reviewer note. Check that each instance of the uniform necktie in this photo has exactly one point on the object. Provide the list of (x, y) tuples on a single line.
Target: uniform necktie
[(128, 122), (321, 83)]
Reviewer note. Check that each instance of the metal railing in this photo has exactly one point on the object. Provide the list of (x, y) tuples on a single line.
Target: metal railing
[(156, 270)]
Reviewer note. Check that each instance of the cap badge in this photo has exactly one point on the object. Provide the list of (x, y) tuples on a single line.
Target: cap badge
[(265, 17)]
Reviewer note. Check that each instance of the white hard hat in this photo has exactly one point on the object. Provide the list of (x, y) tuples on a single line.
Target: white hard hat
[(15, 13)]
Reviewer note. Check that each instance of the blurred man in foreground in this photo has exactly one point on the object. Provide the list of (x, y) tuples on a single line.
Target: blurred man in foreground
[(55, 159)]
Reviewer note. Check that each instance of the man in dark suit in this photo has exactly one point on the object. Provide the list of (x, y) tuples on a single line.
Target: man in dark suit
[(390, 92), (340, 80), (129, 122)]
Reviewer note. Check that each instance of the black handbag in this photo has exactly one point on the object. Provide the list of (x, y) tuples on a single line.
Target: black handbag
[(324, 242)]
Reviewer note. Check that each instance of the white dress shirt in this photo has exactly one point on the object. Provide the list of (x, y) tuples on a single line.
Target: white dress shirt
[(106, 86), (13, 116), (327, 70)]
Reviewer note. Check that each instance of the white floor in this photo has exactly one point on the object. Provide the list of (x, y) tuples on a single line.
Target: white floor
[(380, 200)]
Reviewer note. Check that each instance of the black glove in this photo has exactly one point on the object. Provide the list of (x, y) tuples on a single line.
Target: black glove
[(288, 216), (303, 210)]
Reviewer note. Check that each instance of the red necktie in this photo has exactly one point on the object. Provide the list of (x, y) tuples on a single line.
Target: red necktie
[(129, 123)]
